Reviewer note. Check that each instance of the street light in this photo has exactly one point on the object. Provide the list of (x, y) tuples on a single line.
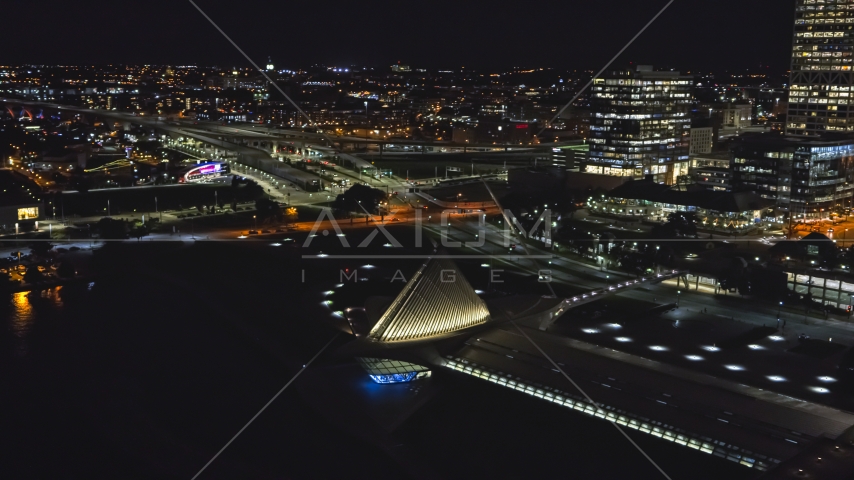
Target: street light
[(255, 218), (677, 297)]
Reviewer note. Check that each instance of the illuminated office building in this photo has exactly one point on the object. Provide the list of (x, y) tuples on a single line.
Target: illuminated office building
[(822, 78), (808, 178), (639, 125)]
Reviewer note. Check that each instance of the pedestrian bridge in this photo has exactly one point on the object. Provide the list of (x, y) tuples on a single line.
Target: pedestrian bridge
[(593, 295)]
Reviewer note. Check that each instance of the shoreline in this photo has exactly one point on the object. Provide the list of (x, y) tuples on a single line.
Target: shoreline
[(23, 287)]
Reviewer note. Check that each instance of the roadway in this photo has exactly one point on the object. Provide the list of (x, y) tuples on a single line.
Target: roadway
[(277, 132), (728, 413)]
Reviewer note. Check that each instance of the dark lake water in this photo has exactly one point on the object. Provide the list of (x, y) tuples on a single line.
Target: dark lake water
[(149, 370)]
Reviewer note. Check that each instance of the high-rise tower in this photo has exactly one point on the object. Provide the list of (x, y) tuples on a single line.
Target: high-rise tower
[(639, 124), (822, 79)]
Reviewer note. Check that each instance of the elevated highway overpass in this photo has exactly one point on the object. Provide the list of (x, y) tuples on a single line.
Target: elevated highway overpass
[(257, 145), (253, 157)]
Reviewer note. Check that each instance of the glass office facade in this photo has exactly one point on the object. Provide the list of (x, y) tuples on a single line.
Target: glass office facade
[(828, 291), (809, 178), (640, 124), (821, 76)]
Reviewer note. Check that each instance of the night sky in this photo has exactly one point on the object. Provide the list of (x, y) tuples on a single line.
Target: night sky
[(691, 35)]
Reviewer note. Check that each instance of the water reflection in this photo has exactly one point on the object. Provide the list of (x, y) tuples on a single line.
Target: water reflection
[(22, 314), (24, 309)]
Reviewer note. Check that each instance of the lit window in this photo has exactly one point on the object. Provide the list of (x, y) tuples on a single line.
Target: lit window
[(30, 213)]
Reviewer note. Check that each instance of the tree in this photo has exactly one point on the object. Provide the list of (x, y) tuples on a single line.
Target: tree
[(253, 190), (357, 198), (111, 229), (139, 231), (680, 224), (268, 209), (40, 249)]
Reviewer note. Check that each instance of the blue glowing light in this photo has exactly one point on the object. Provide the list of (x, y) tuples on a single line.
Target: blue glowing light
[(395, 377)]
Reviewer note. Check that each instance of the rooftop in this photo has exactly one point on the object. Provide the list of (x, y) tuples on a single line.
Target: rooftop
[(691, 197), (779, 140), (436, 300)]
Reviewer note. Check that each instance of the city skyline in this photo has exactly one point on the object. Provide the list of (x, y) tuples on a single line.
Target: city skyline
[(240, 240)]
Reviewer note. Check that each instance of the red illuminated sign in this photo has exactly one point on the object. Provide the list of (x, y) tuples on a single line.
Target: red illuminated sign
[(521, 126)]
